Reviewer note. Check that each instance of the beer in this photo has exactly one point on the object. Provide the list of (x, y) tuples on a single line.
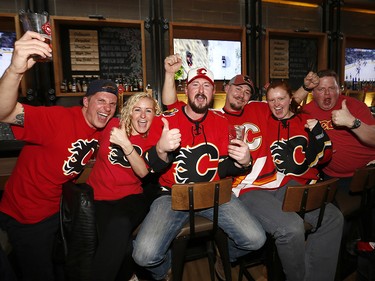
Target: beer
[(47, 59)]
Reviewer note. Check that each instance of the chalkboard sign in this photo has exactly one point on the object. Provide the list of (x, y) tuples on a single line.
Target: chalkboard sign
[(292, 59), (303, 56), (111, 52), (120, 52), (84, 54)]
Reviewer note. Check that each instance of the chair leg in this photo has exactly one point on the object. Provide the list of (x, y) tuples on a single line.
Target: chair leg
[(243, 271), (274, 268), (221, 240), (252, 259), (178, 258), (211, 258)]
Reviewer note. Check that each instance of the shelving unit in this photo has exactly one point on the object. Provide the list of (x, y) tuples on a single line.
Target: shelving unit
[(292, 62), (62, 61)]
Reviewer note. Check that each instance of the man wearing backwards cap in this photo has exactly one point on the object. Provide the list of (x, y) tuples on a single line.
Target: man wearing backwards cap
[(59, 141), (194, 141)]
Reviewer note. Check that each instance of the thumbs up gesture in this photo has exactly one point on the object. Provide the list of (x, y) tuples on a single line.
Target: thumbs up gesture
[(343, 117), (118, 136), (170, 139)]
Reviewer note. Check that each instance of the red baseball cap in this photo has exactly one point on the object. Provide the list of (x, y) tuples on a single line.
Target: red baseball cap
[(242, 80)]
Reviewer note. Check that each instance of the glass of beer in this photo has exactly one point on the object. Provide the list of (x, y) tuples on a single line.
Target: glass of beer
[(236, 132), (38, 23)]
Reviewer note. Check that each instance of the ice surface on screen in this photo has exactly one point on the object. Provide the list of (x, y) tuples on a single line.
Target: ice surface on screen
[(6, 49), (223, 58), (359, 64)]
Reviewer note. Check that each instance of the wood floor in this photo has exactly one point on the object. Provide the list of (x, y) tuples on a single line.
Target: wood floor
[(198, 271)]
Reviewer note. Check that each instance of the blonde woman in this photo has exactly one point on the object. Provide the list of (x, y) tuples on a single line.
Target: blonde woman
[(120, 203)]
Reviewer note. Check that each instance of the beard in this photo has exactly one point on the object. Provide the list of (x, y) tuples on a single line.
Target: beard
[(200, 109), (236, 107)]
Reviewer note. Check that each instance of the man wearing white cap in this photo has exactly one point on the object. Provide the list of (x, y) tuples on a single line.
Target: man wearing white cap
[(194, 142)]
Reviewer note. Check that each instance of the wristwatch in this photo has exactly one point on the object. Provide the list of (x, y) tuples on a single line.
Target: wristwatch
[(306, 89), (356, 124)]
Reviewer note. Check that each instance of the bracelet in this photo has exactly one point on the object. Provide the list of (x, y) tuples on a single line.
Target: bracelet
[(130, 152), (248, 165), (306, 89)]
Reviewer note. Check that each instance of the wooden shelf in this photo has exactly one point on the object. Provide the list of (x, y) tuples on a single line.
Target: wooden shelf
[(316, 46), (61, 56)]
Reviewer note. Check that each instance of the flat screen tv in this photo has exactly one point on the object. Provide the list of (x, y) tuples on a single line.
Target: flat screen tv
[(7, 40), (359, 64), (222, 57)]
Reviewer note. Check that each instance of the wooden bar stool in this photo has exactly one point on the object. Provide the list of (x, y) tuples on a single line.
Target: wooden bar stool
[(300, 199), (195, 197)]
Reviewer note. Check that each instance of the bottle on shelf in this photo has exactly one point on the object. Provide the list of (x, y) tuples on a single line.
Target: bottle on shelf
[(74, 85), (63, 86), (140, 85), (84, 84), (79, 86), (135, 85), (120, 86), (126, 86)]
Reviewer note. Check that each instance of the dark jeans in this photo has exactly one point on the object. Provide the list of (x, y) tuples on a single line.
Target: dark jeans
[(116, 220), (32, 246)]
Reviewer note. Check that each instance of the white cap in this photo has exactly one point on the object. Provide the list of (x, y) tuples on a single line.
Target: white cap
[(200, 72)]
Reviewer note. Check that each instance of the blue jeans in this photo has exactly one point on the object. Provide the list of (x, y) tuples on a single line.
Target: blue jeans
[(310, 260), (162, 224)]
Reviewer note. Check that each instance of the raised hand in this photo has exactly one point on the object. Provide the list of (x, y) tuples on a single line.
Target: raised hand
[(343, 117), (172, 63), (170, 139), (29, 45), (311, 80), (310, 124), (118, 136)]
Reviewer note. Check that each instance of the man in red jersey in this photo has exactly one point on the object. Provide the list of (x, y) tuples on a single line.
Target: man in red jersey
[(199, 151), (59, 141)]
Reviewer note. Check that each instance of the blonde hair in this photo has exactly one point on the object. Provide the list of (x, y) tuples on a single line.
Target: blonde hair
[(126, 111)]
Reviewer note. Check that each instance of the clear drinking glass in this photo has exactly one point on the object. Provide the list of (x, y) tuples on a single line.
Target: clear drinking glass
[(38, 23)]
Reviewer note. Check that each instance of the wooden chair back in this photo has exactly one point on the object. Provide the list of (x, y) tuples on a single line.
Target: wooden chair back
[(363, 178), (305, 198), (201, 195)]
